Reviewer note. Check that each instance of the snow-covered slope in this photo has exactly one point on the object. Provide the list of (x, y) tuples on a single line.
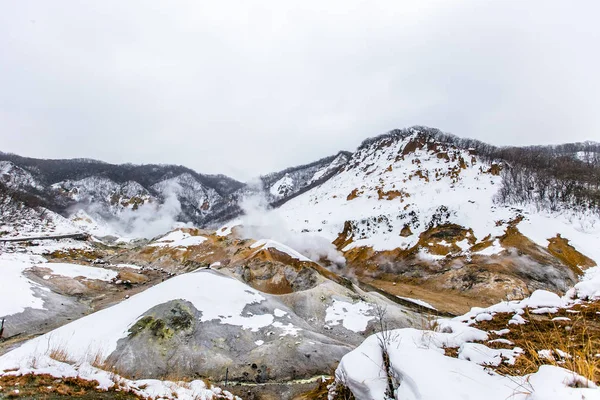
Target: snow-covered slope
[(415, 206), (413, 182), (289, 182), (394, 183), (14, 177)]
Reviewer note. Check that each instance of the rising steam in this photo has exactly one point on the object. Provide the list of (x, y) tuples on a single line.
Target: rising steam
[(260, 222), (147, 221)]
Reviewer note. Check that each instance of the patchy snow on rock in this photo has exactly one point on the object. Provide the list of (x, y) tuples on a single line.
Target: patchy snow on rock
[(427, 256), (130, 266), (286, 330), (419, 302), (282, 187), (540, 301), (271, 244), (83, 271), (495, 248), (42, 247), (178, 238), (354, 317), (279, 313), (226, 230), (335, 164), (16, 177), (218, 298)]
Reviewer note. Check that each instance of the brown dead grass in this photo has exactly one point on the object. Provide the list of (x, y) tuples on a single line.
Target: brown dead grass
[(60, 353), (44, 386), (579, 338)]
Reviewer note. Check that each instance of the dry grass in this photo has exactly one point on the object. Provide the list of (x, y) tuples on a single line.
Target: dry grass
[(31, 386), (573, 344), (60, 353), (97, 359)]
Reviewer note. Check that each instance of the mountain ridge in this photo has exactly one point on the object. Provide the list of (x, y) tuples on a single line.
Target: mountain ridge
[(65, 185)]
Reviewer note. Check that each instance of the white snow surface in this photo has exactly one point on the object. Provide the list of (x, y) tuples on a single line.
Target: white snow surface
[(354, 316), (17, 291), (178, 238), (419, 302), (589, 286), (495, 248), (84, 271), (272, 244)]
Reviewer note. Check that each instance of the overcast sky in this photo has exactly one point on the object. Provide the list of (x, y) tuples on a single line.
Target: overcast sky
[(244, 88)]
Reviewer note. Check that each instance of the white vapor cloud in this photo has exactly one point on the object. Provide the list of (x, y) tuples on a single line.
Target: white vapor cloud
[(148, 221), (151, 219), (259, 223)]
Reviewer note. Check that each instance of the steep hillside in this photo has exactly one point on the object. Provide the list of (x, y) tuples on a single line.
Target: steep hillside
[(106, 191), (284, 184)]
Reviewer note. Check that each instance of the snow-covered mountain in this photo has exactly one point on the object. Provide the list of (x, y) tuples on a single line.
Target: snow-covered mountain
[(112, 194), (418, 207), (115, 194), (282, 185)]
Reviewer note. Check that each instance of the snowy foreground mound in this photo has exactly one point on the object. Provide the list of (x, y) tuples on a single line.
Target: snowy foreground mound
[(416, 366), (422, 370)]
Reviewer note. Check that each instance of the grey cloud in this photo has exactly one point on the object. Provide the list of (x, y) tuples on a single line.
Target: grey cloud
[(242, 89)]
